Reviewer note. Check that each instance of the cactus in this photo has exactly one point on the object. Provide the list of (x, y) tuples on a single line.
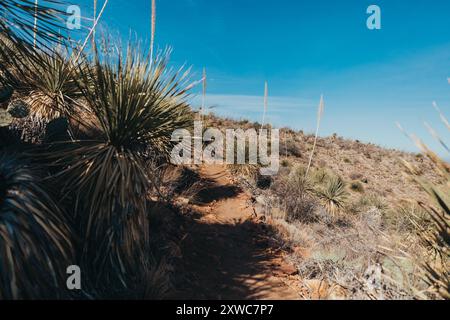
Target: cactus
[(18, 109)]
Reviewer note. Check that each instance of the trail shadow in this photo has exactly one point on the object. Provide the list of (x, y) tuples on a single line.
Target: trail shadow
[(225, 262), (215, 193), (188, 182)]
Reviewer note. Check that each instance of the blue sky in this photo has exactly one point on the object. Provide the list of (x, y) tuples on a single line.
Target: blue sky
[(370, 78)]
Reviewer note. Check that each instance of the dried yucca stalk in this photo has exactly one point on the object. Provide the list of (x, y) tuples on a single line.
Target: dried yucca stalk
[(266, 96), (94, 45), (153, 29), (202, 109), (319, 117), (36, 4), (91, 33)]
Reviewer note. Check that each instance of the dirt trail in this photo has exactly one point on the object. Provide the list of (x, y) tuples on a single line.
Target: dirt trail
[(229, 253)]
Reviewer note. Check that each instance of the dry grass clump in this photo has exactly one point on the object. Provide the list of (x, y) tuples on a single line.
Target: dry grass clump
[(296, 195), (184, 184), (406, 218), (250, 171), (344, 257), (285, 163), (300, 195), (339, 236), (291, 148)]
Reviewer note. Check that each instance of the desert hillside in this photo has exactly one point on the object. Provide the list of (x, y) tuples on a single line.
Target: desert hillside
[(291, 243), (367, 168)]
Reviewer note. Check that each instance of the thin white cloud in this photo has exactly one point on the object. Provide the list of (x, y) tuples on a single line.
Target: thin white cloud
[(250, 104)]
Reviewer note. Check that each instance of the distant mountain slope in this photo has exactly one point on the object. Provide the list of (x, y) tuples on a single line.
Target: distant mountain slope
[(378, 170)]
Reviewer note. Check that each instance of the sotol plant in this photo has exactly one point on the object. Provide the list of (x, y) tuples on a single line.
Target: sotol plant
[(18, 34), (333, 195), (435, 238), (48, 83), (137, 106), (35, 244)]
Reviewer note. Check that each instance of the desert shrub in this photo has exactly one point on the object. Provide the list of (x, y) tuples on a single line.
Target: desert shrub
[(48, 83), (356, 186), (320, 176), (406, 218), (300, 194), (372, 200), (333, 195), (285, 163), (263, 181), (293, 148), (179, 179), (295, 192), (103, 182), (250, 171)]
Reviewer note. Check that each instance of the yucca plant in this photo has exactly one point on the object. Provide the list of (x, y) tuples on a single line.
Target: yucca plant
[(137, 106), (333, 195), (296, 194), (48, 84), (435, 238), (35, 243), (19, 35), (319, 118)]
